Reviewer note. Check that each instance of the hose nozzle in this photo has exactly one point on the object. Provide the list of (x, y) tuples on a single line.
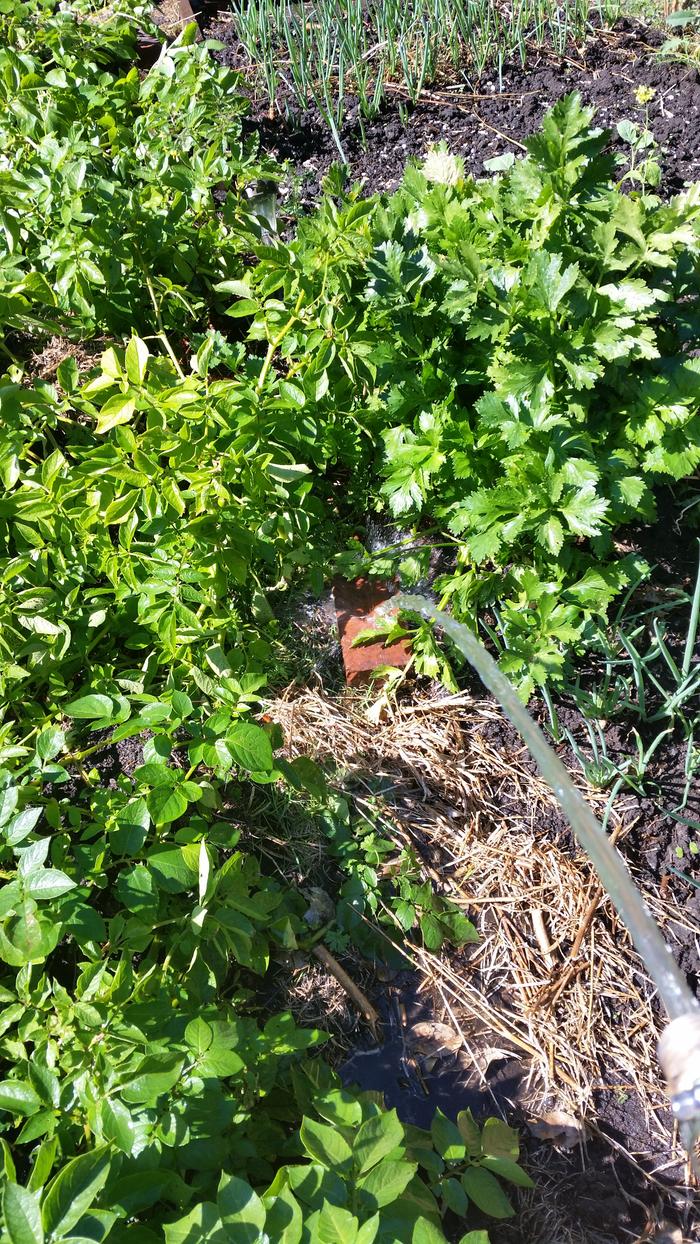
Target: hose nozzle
[(679, 1055)]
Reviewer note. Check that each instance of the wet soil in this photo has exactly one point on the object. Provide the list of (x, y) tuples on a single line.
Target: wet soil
[(591, 1193), (483, 119)]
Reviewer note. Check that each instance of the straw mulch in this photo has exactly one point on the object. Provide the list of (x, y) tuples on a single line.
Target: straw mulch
[(554, 976)]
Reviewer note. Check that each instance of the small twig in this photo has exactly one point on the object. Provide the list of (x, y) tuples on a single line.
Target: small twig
[(585, 923), (162, 336), (506, 137), (453, 99), (591, 909), (538, 927), (362, 1003)]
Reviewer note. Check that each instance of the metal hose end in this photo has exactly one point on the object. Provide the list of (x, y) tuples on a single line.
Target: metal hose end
[(679, 1055)]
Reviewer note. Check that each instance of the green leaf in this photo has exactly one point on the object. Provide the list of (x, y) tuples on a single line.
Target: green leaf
[(73, 1190), (314, 1184), (250, 747), (499, 1140), (246, 306), (454, 1196), (340, 1108), (241, 1209), (386, 1182), (334, 1223), (45, 1082), (182, 704), (551, 535), (91, 271), (136, 360), (292, 393), (166, 804), (288, 472), (18, 1097), (50, 742), (447, 1138), (135, 1193), (509, 1170), (431, 930), (22, 1215), (116, 410), (240, 288), (470, 1132), (8, 802), (117, 1124), (91, 707), (501, 163), (585, 511), (155, 1076), (28, 937), (367, 1233), (119, 510), (68, 375), (487, 1194), (172, 495), (283, 1218), (201, 1226), (627, 130), (427, 1232), (175, 869), (376, 1139), (48, 883), (325, 1144), (550, 282), (219, 1061), (21, 826), (43, 1163), (199, 1035)]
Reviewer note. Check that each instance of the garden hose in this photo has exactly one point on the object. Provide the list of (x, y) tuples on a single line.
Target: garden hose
[(679, 1046)]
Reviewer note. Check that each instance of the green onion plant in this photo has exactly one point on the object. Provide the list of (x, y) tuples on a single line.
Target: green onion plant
[(643, 677), (329, 48)]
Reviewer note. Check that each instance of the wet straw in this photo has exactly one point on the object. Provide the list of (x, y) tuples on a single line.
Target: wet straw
[(679, 1047)]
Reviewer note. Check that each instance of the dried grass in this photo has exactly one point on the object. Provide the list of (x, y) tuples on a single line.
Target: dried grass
[(554, 975), (43, 363), (317, 1000)]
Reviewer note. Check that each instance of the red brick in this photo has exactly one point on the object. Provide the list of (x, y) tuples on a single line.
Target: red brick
[(355, 605)]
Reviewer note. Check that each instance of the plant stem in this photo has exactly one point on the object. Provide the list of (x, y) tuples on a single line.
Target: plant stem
[(277, 341)]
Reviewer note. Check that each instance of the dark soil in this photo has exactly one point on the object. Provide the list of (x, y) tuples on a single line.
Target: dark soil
[(485, 119), (594, 1193)]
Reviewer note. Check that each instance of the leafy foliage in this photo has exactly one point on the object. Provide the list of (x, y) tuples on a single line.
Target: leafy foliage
[(106, 193), (131, 919), (512, 349), (534, 380), (149, 509), (384, 895), (145, 517)]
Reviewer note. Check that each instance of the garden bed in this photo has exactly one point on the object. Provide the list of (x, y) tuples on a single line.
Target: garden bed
[(564, 1046), (494, 115), (193, 847)]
